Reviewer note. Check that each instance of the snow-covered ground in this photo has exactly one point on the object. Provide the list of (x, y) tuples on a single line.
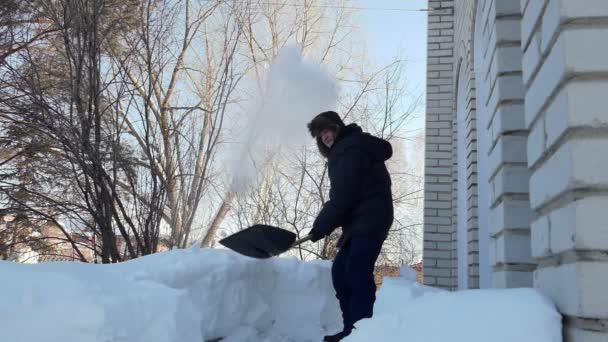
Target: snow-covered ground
[(408, 311), (199, 295)]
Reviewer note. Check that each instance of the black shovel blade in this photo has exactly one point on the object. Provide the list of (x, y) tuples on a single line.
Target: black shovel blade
[(260, 241)]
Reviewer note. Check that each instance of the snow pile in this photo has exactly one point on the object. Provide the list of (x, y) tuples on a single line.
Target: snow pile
[(408, 311), (199, 295), (184, 295)]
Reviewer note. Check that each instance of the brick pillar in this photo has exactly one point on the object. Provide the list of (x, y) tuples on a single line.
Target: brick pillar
[(465, 141), (438, 258), (501, 89), (565, 71)]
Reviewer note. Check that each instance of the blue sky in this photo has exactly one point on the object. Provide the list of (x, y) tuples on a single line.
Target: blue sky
[(390, 32)]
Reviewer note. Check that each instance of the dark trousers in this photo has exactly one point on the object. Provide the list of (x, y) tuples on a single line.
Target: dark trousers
[(353, 278)]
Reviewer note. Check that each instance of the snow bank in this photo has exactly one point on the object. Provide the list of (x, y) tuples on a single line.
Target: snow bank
[(198, 295), (408, 311), (184, 295)]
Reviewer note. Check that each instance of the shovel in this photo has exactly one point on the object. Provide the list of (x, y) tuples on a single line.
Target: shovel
[(262, 241)]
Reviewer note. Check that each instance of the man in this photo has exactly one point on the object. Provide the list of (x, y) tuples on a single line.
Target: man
[(360, 201)]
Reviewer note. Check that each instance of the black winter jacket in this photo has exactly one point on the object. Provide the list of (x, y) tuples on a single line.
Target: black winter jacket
[(360, 198)]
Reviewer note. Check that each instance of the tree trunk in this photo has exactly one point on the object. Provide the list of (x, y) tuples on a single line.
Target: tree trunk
[(219, 217)]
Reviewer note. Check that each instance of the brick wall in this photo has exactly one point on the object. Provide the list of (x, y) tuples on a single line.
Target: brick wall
[(542, 85), (438, 246), (499, 73), (565, 72), (463, 67)]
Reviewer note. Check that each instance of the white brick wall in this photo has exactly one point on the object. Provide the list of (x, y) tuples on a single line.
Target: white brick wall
[(580, 225), (573, 333), (501, 217), (438, 182), (572, 108), (541, 237), (463, 67), (503, 99), (575, 288), (582, 163), (508, 149), (508, 181), (513, 247), (510, 278), (565, 71), (501, 73), (569, 55)]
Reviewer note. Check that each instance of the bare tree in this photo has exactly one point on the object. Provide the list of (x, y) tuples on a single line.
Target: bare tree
[(177, 101), (54, 95), (21, 26), (117, 117), (397, 106)]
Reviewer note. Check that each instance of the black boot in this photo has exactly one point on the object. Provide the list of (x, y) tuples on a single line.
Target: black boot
[(337, 337)]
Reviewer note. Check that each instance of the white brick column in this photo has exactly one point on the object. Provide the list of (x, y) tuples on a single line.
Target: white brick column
[(438, 245), (465, 140), (565, 71), (500, 86)]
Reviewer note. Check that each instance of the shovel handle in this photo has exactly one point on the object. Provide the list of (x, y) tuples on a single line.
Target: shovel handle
[(302, 240)]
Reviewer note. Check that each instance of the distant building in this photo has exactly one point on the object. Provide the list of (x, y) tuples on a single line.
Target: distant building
[(44, 242)]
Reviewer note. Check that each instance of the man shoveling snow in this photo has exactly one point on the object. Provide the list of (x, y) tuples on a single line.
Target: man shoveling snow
[(361, 203)]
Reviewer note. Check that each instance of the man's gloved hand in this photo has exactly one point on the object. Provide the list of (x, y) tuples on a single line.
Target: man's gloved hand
[(316, 235)]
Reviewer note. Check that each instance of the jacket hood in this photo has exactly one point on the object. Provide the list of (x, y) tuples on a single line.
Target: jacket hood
[(380, 149), (352, 135)]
